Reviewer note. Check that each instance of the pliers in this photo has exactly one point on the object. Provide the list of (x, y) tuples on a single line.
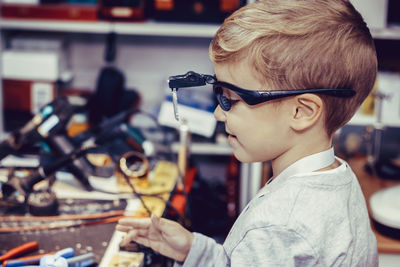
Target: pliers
[(19, 250)]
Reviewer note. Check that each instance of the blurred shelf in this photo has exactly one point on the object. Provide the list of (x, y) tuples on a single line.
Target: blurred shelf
[(167, 29), (144, 28), (362, 120), (365, 120), (128, 28), (206, 149), (55, 25), (389, 33)]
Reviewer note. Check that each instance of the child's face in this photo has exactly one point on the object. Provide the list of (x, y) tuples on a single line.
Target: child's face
[(256, 133)]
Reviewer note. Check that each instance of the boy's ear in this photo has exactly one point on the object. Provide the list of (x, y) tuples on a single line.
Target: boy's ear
[(306, 111)]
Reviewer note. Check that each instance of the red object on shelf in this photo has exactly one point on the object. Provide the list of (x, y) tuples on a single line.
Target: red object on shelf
[(20, 94), (50, 12), (179, 200), (232, 182)]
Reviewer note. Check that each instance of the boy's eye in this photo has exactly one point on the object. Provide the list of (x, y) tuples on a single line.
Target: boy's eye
[(232, 101), (223, 96)]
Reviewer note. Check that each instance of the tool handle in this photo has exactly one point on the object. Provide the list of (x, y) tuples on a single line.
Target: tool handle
[(24, 261), (182, 166), (24, 248)]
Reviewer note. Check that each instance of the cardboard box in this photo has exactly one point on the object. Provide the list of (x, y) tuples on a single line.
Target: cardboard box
[(32, 65), (201, 122)]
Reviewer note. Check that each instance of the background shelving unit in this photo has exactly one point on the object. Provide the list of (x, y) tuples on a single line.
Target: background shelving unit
[(149, 28), (146, 53), (152, 29), (136, 40), (59, 26), (389, 33)]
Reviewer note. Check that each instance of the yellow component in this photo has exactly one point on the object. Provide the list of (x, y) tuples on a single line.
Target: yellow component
[(76, 128), (99, 159), (127, 258), (165, 174), (368, 106), (137, 172), (161, 180)]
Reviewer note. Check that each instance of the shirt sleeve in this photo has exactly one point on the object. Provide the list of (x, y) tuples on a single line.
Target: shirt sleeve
[(273, 246), (204, 252)]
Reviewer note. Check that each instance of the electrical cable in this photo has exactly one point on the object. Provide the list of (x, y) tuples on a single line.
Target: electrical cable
[(61, 224), (137, 194), (169, 205), (25, 185), (91, 216), (157, 195)]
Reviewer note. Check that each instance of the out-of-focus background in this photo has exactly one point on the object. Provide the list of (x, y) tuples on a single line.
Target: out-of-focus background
[(75, 72)]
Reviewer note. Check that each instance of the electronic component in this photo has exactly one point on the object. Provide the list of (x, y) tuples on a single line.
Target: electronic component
[(135, 167)]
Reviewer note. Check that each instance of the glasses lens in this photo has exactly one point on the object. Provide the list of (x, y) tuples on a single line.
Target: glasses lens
[(223, 101)]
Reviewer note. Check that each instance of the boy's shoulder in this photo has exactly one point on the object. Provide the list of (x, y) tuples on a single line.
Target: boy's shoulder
[(315, 209), (308, 195), (317, 206)]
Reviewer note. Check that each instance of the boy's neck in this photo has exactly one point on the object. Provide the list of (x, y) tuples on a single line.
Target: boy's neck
[(300, 150)]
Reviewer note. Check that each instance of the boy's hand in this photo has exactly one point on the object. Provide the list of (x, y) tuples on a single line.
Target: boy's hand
[(164, 236)]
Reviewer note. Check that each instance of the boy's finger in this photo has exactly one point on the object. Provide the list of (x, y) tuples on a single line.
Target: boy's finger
[(143, 241), (135, 222), (155, 221), (126, 229), (162, 224), (142, 232), (132, 234), (123, 228)]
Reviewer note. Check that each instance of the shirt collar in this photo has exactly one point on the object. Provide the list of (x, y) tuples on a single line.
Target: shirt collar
[(307, 164)]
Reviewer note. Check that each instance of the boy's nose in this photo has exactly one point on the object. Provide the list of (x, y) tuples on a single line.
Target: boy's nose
[(219, 114)]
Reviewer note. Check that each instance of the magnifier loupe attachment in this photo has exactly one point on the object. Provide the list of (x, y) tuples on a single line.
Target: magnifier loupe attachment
[(190, 79)]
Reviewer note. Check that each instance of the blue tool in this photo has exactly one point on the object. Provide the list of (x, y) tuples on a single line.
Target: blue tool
[(58, 259), (81, 260)]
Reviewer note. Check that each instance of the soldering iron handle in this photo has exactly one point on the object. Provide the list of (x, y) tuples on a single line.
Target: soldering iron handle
[(22, 185), (25, 184), (113, 121), (28, 182)]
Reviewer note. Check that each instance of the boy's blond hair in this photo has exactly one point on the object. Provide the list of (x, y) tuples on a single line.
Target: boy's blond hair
[(303, 44)]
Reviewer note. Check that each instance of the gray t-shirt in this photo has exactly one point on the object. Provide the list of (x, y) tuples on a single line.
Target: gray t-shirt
[(307, 219)]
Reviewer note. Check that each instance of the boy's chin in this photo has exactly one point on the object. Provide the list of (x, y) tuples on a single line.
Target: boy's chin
[(243, 157), (248, 157)]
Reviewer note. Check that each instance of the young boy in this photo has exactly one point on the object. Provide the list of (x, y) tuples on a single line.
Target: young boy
[(312, 212)]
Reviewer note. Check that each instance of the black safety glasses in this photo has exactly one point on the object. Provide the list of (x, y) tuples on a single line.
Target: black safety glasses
[(250, 97)]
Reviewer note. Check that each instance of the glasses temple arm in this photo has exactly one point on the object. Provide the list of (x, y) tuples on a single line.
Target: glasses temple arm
[(327, 91)]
